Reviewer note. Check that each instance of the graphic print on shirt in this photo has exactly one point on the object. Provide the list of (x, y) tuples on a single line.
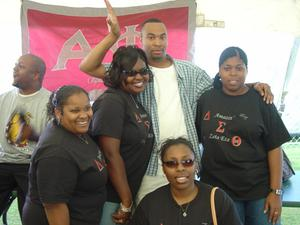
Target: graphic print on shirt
[(15, 126), (221, 126), (207, 116), (222, 122), (236, 141), (99, 162), (140, 118)]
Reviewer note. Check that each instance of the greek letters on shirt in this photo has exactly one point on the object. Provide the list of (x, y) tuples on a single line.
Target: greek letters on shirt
[(139, 119), (99, 162), (222, 123)]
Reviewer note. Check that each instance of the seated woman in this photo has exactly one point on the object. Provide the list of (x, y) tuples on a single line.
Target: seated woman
[(241, 136), (183, 200), (67, 175)]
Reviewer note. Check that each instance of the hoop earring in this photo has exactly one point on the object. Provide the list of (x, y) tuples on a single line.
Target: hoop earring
[(197, 175)]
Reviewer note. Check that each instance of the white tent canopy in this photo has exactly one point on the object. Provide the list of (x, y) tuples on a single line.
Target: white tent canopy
[(248, 15)]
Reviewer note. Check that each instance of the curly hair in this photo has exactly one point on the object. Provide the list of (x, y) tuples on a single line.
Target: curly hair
[(124, 58)]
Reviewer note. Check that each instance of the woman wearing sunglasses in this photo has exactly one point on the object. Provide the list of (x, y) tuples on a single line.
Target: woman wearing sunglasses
[(123, 130), (183, 200)]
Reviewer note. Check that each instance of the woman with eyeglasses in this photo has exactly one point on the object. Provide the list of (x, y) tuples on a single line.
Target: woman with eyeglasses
[(184, 200), (122, 127)]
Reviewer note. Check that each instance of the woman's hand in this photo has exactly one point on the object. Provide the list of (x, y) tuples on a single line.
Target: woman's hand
[(117, 173), (121, 217), (112, 20), (92, 64), (273, 207)]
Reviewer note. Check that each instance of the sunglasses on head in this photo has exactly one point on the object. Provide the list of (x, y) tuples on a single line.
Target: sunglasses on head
[(175, 163), (143, 72)]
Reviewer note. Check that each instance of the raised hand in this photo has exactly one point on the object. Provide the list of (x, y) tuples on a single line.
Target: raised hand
[(112, 20), (92, 64)]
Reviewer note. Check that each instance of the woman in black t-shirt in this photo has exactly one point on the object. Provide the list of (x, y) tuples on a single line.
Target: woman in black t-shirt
[(183, 200), (122, 128), (67, 175), (242, 138)]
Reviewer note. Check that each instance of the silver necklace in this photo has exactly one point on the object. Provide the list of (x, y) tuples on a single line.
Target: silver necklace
[(83, 138), (136, 105), (184, 209)]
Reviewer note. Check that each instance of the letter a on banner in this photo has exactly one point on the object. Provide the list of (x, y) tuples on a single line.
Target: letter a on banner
[(63, 36)]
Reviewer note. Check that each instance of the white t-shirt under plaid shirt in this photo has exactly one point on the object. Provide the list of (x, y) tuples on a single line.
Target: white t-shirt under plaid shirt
[(192, 82)]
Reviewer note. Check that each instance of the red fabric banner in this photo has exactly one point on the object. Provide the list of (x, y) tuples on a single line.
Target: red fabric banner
[(62, 36)]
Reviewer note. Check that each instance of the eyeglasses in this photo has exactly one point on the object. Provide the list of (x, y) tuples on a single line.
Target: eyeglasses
[(175, 163), (143, 72)]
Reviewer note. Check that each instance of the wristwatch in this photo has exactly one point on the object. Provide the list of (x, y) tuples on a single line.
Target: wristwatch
[(276, 191), (125, 209)]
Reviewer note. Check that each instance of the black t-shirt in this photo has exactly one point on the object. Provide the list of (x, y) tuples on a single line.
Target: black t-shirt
[(159, 208), (119, 115), (66, 169), (237, 132)]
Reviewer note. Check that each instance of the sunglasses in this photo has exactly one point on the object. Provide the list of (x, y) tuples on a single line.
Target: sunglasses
[(175, 164), (143, 72)]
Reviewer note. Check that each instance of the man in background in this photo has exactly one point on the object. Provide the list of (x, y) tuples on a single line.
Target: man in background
[(23, 116)]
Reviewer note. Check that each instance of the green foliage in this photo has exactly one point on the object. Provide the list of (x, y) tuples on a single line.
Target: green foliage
[(291, 216), (293, 152)]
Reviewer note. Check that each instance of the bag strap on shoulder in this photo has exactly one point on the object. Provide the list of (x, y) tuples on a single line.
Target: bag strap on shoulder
[(212, 205)]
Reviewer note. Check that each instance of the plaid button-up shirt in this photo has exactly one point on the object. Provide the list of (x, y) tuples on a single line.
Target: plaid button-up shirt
[(192, 82)]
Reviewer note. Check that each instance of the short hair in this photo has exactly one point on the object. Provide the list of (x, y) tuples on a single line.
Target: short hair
[(150, 20), (39, 65), (59, 98), (124, 58), (174, 141)]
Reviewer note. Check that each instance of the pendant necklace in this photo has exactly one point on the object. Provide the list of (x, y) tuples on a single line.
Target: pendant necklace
[(136, 105), (83, 138), (184, 209)]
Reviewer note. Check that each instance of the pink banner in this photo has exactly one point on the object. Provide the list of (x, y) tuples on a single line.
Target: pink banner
[(62, 36)]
